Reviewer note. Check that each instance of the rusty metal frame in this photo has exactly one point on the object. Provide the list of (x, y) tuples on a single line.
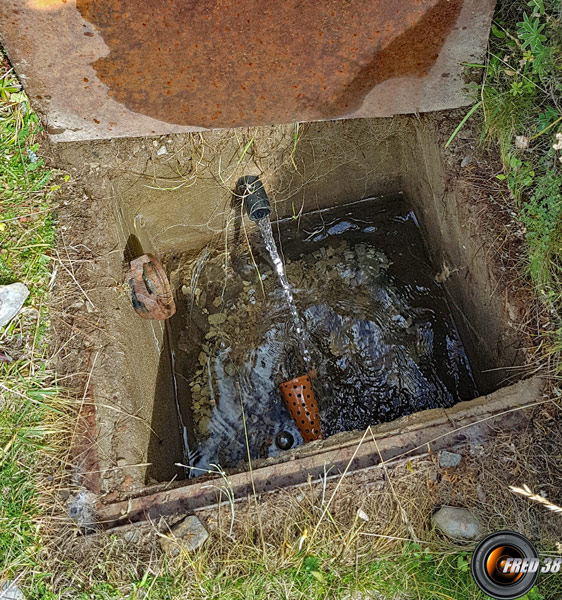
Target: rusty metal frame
[(433, 429)]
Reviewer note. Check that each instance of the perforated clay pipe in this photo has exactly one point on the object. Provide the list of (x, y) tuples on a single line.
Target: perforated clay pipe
[(298, 397)]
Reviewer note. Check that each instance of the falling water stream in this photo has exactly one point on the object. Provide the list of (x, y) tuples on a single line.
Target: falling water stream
[(300, 331)]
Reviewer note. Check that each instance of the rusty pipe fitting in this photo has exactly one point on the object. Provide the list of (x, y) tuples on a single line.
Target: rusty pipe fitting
[(151, 293)]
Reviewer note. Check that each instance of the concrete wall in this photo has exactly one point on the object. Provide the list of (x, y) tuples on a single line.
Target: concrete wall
[(447, 208)]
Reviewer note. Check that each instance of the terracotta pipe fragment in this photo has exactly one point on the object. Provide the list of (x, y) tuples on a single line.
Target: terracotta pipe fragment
[(299, 400)]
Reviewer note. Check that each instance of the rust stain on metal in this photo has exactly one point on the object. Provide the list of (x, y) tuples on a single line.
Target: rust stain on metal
[(130, 67), (440, 428), (224, 63)]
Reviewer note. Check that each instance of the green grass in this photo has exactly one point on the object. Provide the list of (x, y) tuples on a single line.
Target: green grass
[(27, 392), (522, 96), (414, 572)]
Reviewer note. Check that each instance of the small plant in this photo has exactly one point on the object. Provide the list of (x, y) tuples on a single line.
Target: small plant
[(522, 113), (530, 33)]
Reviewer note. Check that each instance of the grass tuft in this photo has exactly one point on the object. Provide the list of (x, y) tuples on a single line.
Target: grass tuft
[(521, 100), (28, 393)]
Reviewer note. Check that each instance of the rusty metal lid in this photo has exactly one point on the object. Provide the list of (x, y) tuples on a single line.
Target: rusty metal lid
[(105, 68)]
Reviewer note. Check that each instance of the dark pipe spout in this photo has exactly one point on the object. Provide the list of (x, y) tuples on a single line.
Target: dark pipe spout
[(254, 197)]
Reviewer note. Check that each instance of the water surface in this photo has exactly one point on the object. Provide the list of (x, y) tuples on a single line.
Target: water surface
[(378, 331)]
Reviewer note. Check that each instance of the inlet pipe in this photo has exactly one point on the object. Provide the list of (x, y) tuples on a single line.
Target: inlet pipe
[(297, 393), (254, 197)]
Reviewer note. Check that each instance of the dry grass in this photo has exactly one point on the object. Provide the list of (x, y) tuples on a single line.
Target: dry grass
[(318, 539)]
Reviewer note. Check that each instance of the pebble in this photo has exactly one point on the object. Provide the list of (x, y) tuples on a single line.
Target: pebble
[(81, 508), (189, 534), (217, 318), (230, 369), (362, 515), (12, 298), (132, 536), (457, 523), (202, 359), (448, 459), (202, 299)]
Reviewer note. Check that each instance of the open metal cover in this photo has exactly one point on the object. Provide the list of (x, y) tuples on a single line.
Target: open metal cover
[(106, 68)]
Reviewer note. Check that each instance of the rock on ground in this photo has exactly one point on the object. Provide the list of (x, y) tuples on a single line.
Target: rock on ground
[(81, 508), (10, 591), (457, 523), (12, 298), (449, 459), (189, 534)]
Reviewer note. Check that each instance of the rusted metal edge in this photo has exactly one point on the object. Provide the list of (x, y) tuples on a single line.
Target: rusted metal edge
[(136, 68), (445, 428)]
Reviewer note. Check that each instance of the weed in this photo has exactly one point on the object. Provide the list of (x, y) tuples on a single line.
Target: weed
[(521, 97), (28, 394)]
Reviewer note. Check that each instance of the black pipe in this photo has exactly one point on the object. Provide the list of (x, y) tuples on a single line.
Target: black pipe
[(252, 192)]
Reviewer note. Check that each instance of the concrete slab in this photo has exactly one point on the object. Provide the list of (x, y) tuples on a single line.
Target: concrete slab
[(133, 68)]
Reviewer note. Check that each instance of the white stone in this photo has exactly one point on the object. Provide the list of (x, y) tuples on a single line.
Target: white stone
[(457, 523), (12, 298), (189, 534), (10, 591), (362, 515), (449, 460)]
